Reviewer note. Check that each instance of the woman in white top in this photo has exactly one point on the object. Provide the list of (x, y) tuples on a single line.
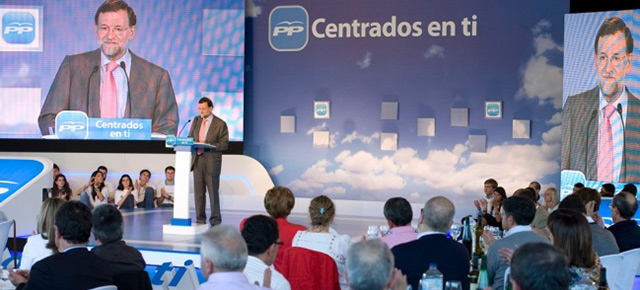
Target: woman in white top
[(91, 193), (126, 195), (321, 238), (551, 199), (43, 244)]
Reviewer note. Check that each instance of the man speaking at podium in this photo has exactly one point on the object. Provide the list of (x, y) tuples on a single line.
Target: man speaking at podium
[(112, 82), (207, 163)]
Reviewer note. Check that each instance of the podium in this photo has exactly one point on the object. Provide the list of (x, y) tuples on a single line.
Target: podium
[(181, 222)]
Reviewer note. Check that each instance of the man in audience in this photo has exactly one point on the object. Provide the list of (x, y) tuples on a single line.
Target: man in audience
[(108, 187), (260, 232), (433, 246), (630, 188), (577, 187), (75, 267), (56, 171), (539, 266), (490, 186), (107, 231), (517, 214), (623, 207), (398, 213), (604, 243), (607, 190), (541, 214), (146, 191), (370, 267), (223, 254), (165, 194), (536, 187)]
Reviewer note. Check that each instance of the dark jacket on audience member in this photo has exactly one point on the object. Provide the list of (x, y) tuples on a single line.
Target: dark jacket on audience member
[(120, 257), (627, 234)]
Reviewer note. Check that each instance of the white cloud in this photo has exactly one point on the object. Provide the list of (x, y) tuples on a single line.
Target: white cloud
[(541, 26), (332, 139), (434, 51), (364, 139), (365, 62), (335, 191), (251, 9), (276, 170), (555, 119), (321, 127)]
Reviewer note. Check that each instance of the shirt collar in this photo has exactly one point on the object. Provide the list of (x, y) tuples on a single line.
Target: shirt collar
[(420, 235), (74, 247), (104, 60), (518, 229), (622, 100), (402, 229)]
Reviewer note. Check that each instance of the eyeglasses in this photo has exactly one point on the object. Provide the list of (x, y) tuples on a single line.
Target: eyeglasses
[(118, 30), (616, 60)]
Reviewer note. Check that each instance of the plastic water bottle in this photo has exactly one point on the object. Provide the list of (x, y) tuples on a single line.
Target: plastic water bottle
[(431, 279)]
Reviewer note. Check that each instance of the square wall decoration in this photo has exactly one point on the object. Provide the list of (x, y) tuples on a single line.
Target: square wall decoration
[(321, 109), (389, 141), (459, 117), (389, 111), (478, 143), (287, 124), (493, 110), (522, 129), (426, 127), (321, 139)]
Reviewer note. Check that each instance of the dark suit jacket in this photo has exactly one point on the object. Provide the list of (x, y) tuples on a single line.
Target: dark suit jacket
[(627, 234), (121, 258), (452, 259), (152, 95), (580, 136), (217, 135), (74, 269)]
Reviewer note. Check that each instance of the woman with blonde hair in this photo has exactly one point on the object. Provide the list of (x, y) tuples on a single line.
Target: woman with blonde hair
[(43, 244), (551, 199)]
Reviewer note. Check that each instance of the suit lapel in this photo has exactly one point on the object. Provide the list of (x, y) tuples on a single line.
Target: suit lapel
[(591, 105), (93, 105), (138, 86), (630, 171)]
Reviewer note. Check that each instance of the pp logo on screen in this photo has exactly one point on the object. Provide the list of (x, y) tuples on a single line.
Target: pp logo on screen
[(18, 28), (321, 110), (72, 125), (288, 28), (493, 110)]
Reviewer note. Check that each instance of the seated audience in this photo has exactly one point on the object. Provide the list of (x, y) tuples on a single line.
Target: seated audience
[(75, 267), (108, 227), (577, 187), (126, 195), (551, 199), (165, 194), (40, 246), (540, 219), (571, 234), (517, 214), (630, 188), (146, 191), (60, 188), (370, 267), (493, 218), (223, 254), (607, 190), (433, 246), (604, 243), (539, 266), (108, 191), (260, 232), (490, 186), (536, 188), (91, 193), (398, 213), (623, 207), (321, 238), (56, 171)]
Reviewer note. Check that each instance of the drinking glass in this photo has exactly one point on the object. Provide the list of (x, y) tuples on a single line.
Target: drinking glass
[(455, 231), (384, 230), (372, 233), (453, 285)]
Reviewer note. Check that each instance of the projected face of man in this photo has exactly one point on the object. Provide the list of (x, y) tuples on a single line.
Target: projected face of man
[(204, 109), (612, 64), (114, 33)]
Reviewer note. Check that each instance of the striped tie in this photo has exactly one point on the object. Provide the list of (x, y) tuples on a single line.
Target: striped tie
[(605, 146), (109, 98)]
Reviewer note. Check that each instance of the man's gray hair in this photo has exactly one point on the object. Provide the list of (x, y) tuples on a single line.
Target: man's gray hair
[(369, 265), (225, 247), (438, 213)]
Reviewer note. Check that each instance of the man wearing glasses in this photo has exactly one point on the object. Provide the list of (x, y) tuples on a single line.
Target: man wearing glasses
[(112, 82), (601, 127), (260, 232)]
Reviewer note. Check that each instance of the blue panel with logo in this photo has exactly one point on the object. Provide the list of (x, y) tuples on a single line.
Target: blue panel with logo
[(15, 174), (288, 28), (18, 27)]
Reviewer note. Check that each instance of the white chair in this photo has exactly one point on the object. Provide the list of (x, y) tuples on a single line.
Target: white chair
[(5, 227), (628, 267), (612, 263)]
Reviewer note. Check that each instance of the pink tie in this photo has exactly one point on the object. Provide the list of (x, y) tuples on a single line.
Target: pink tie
[(109, 99), (203, 134), (605, 146)]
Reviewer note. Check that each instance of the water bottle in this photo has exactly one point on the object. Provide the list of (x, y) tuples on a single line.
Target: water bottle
[(431, 279)]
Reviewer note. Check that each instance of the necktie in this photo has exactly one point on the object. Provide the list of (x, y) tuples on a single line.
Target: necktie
[(203, 134), (109, 97), (605, 146)]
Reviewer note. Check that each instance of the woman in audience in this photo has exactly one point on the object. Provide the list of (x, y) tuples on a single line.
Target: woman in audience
[(60, 188), (321, 238), (42, 245), (91, 193), (493, 218), (570, 233), (125, 196), (551, 199)]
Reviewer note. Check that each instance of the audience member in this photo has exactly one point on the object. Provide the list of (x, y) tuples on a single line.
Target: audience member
[(493, 218), (517, 214), (108, 191), (146, 191), (630, 188), (490, 186), (126, 195), (60, 188), (604, 243), (536, 187), (607, 190), (56, 171), (260, 232), (370, 267), (108, 227), (623, 207), (433, 246), (165, 194), (40, 246), (223, 254), (75, 267), (91, 193), (321, 238), (551, 199), (398, 213), (539, 266), (577, 186), (541, 214)]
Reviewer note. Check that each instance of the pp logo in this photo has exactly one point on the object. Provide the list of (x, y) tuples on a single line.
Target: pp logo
[(18, 28), (288, 28), (72, 125), (493, 110), (321, 110)]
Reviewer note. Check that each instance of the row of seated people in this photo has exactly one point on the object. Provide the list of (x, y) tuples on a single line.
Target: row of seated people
[(128, 194)]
